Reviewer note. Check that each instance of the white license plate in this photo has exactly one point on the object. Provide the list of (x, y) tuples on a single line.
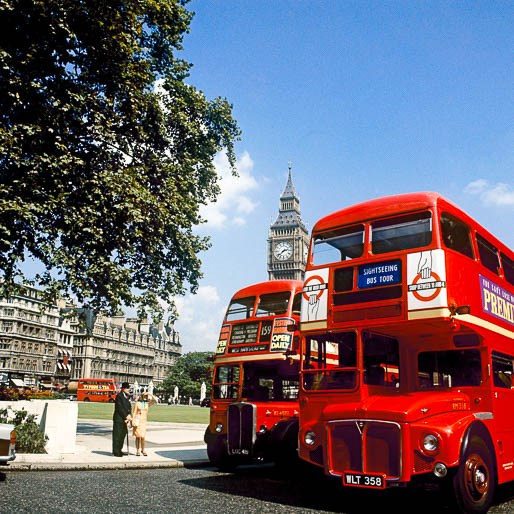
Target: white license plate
[(353, 479)]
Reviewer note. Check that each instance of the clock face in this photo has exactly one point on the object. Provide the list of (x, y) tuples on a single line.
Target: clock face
[(283, 250)]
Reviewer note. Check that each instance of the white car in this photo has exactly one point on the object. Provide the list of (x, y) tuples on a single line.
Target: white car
[(7, 443)]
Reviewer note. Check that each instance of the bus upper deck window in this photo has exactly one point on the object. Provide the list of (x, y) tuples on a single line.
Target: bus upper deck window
[(242, 308), (401, 233), (456, 235), (338, 245), (488, 254), (508, 268), (273, 304), (297, 304)]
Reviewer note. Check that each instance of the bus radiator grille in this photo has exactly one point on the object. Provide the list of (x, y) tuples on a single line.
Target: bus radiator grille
[(242, 422), (365, 446)]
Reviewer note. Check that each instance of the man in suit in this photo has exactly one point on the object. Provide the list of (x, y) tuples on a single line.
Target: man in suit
[(121, 417)]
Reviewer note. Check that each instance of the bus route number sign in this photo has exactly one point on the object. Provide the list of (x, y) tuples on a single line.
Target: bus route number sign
[(353, 479)]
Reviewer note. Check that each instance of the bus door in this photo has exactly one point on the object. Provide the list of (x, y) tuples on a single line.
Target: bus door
[(503, 406)]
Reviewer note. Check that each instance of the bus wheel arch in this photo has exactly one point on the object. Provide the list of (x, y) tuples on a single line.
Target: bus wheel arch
[(478, 429), (474, 480), (285, 442)]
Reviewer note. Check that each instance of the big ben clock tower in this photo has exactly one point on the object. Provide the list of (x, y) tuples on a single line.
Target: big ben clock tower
[(288, 240)]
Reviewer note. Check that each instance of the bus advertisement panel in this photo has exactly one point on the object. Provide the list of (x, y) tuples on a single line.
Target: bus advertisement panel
[(97, 390), (254, 404), (408, 349)]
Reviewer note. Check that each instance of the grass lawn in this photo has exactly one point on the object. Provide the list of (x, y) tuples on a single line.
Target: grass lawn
[(161, 413)]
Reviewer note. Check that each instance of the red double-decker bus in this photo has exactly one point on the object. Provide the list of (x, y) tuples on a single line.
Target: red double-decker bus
[(408, 348), (254, 402), (97, 390)]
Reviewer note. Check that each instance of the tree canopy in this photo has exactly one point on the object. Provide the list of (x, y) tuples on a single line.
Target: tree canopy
[(188, 373), (106, 152)]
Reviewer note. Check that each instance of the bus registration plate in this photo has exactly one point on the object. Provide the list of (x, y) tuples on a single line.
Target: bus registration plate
[(353, 479)]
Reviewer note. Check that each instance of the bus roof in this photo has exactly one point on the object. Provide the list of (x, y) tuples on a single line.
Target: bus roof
[(271, 286), (398, 204)]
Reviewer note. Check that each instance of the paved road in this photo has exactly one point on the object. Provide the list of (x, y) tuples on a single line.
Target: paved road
[(254, 489)]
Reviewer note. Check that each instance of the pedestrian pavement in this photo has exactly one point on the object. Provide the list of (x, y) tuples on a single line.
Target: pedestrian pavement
[(168, 445)]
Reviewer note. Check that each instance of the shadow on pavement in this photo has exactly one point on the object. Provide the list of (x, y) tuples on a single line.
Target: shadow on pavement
[(91, 429), (311, 489), (504, 493), (99, 452), (185, 455)]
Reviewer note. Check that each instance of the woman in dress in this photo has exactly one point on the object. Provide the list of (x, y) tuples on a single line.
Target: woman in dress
[(139, 417)]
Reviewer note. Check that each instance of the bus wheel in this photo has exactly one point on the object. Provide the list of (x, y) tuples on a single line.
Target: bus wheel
[(86, 399), (111, 400), (286, 453), (218, 455), (474, 482)]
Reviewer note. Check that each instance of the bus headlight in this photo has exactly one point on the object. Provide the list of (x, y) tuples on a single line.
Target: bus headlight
[(440, 470), (309, 438), (430, 443), (219, 427)]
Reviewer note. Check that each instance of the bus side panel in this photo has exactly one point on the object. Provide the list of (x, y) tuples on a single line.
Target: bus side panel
[(462, 281)]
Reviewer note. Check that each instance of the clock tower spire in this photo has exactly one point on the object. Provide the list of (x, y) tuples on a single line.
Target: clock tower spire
[(288, 239)]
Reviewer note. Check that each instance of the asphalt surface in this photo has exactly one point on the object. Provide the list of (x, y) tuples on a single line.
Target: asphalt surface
[(92, 480), (253, 489)]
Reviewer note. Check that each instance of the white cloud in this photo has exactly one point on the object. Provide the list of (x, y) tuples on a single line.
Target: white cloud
[(238, 220), (492, 194), (234, 202), (476, 187), (200, 318)]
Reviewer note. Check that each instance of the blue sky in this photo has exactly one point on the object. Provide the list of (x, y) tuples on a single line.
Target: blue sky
[(366, 99)]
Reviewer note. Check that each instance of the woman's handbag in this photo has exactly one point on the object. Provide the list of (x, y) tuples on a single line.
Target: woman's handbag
[(135, 421)]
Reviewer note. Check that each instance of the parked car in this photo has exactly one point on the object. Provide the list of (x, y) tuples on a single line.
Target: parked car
[(7, 443)]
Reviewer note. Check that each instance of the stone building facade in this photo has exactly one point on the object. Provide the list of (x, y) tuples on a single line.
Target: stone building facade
[(50, 345), (127, 350), (36, 341)]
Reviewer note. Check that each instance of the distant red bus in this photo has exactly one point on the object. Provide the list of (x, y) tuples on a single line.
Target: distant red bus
[(407, 329), (97, 390), (254, 404)]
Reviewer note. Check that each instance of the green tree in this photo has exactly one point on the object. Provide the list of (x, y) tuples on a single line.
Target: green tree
[(188, 373), (106, 153)]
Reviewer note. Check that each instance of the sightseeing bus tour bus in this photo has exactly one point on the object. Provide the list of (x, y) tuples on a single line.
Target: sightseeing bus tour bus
[(407, 323), (254, 402), (97, 390)]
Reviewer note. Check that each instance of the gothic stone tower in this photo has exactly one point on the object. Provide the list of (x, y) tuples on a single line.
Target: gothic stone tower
[(288, 240)]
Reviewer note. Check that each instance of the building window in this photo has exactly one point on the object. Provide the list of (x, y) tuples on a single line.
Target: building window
[(6, 326)]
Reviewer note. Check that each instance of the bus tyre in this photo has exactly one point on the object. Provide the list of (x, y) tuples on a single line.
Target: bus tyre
[(218, 454), (475, 479), (111, 400), (86, 399)]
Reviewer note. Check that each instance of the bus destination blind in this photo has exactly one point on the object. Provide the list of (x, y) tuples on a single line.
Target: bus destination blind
[(244, 333), (379, 274)]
